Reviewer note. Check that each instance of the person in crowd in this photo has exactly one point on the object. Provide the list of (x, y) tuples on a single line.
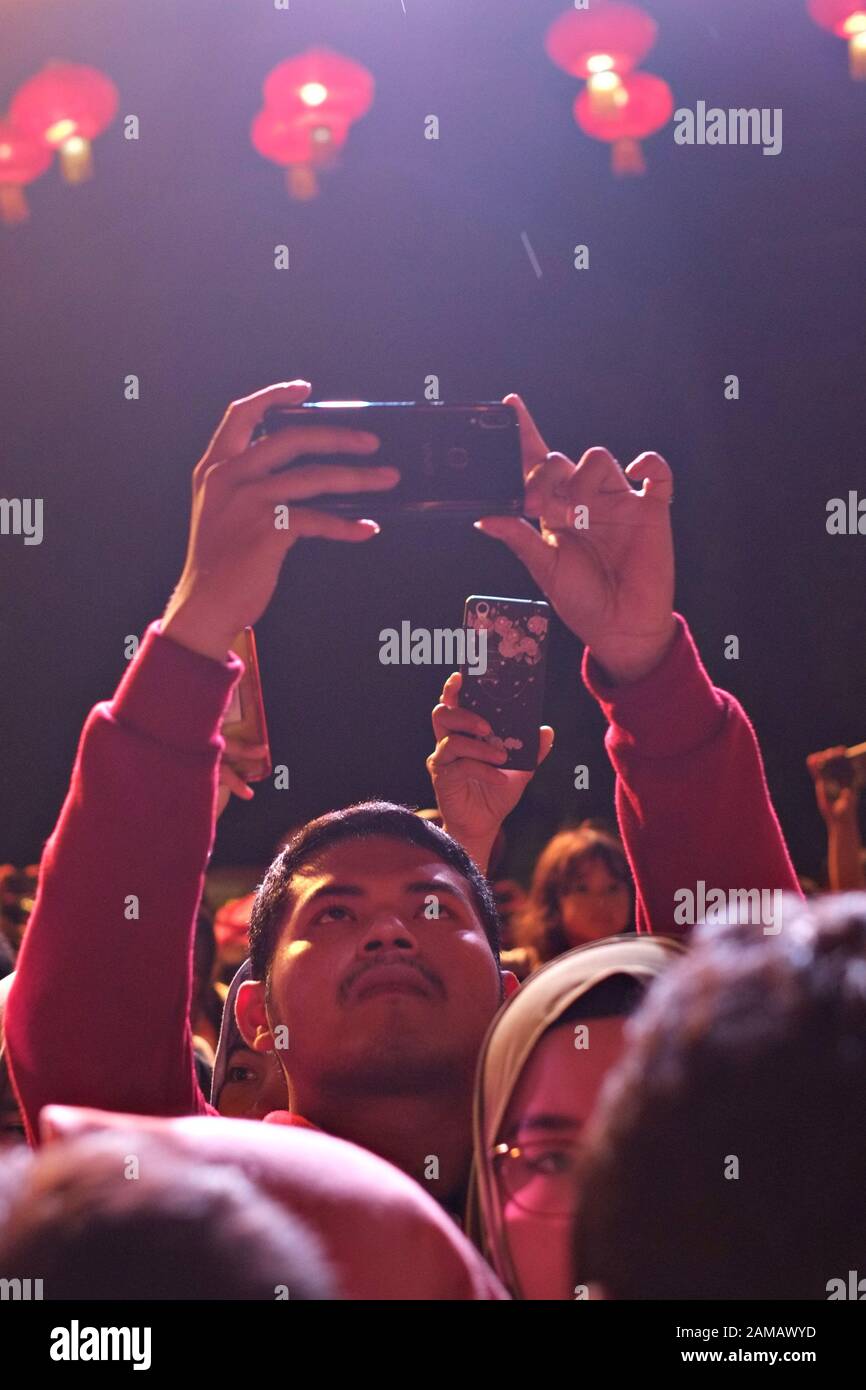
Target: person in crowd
[(581, 891), (839, 807), (7, 958), (17, 893), (123, 1216), (11, 1119), (727, 1159), (380, 1235), (366, 890), (246, 1084), (206, 1008), (232, 932), (541, 1069)]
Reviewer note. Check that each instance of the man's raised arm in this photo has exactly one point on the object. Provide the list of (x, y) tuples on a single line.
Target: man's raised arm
[(691, 794), (98, 1013)]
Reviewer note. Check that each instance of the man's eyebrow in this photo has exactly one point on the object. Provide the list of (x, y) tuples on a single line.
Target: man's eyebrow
[(354, 890), (434, 885), (336, 890)]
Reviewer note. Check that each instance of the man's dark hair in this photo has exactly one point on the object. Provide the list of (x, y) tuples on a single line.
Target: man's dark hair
[(728, 1159), (364, 821), (75, 1216)]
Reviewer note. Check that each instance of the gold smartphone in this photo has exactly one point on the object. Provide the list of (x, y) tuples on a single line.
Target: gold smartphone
[(245, 717)]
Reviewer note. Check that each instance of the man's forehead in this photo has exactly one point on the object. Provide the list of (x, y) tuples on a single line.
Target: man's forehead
[(375, 862)]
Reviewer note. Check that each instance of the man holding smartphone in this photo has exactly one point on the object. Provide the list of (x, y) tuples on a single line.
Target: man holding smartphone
[(106, 1026)]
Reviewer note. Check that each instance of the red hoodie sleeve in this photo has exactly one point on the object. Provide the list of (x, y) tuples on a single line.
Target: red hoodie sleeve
[(98, 1012), (691, 795)]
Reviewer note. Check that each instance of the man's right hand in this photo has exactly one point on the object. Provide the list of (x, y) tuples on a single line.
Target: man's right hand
[(611, 583), (235, 547)]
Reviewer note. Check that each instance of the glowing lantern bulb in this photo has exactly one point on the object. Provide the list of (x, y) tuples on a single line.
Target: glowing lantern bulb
[(605, 91), (23, 158), (857, 54), (600, 62), (313, 93), (847, 20)]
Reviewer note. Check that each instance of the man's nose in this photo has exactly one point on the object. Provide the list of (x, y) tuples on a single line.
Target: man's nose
[(387, 932)]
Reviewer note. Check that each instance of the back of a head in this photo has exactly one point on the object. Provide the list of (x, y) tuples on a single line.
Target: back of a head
[(728, 1161), (121, 1216)]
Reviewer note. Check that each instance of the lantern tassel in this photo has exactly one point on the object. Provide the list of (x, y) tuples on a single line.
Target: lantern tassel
[(76, 160), (13, 204), (627, 158), (301, 182), (857, 56)]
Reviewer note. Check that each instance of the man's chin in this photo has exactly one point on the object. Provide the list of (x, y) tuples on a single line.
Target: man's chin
[(403, 1056)]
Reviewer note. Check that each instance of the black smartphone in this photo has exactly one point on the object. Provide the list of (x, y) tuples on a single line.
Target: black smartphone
[(503, 676), (454, 460)]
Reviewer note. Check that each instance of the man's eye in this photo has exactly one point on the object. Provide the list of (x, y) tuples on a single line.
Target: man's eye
[(241, 1074), (434, 911), (334, 914)]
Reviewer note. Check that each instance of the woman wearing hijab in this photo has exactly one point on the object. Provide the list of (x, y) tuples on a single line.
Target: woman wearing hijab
[(542, 1066)]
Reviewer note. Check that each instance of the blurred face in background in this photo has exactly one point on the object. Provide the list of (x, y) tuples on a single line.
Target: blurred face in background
[(596, 904)]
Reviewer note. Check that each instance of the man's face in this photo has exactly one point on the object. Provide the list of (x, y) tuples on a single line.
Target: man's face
[(536, 1183), (382, 974)]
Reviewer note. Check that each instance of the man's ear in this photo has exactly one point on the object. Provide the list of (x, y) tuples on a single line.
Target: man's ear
[(252, 1018), (510, 983)]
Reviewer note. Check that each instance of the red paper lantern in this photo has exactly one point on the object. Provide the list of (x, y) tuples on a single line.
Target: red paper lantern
[(66, 105), (846, 19), (23, 158), (300, 144), (645, 103), (320, 80), (610, 37)]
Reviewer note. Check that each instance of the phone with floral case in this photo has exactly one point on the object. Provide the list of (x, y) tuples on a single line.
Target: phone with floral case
[(503, 677)]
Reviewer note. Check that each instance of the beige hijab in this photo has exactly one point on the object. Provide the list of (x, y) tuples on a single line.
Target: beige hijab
[(517, 1028)]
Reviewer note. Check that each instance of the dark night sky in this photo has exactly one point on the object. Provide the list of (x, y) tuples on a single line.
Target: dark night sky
[(721, 260)]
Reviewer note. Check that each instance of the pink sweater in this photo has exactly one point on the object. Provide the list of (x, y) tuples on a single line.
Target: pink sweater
[(97, 1015)]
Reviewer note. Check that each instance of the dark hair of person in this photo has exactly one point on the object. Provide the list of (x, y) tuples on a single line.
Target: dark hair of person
[(618, 996), (727, 1159), (560, 862), (367, 820), (76, 1216)]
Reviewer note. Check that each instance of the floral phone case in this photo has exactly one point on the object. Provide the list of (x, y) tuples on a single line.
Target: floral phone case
[(503, 676)]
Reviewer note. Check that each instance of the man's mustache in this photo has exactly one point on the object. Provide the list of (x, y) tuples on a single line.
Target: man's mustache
[(431, 977)]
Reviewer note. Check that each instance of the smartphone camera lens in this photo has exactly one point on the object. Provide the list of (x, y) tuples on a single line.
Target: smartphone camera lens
[(496, 420), (482, 609)]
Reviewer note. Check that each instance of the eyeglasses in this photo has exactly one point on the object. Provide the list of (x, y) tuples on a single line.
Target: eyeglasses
[(539, 1177)]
